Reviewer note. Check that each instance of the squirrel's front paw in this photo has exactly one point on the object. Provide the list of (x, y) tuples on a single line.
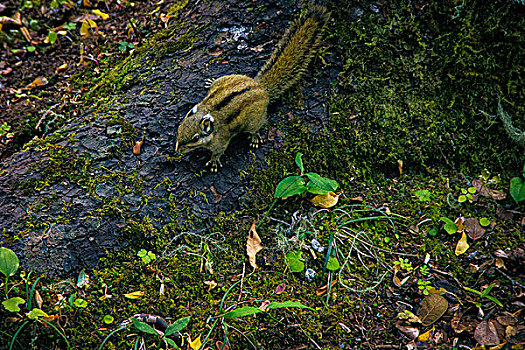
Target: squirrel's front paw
[(255, 140), (214, 165)]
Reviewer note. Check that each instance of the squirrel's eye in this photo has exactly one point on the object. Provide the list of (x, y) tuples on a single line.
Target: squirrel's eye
[(195, 138)]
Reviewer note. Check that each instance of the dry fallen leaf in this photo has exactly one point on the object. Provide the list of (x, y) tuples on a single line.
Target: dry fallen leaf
[(38, 299), (462, 245), (411, 332), (253, 245), (280, 288), (486, 333), (425, 337), (134, 295), (324, 288), (39, 81), (136, 148), (400, 166), (473, 228), (433, 306), (500, 264), (325, 201)]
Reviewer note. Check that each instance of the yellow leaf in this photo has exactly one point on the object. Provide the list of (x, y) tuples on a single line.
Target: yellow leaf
[(62, 32), (84, 29), (425, 337), (39, 81), (196, 344), (102, 15), (253, 245), (325, 201), (135, 295), (462, 245), (62, 67)]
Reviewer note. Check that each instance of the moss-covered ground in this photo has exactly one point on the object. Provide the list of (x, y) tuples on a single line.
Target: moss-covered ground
[(413, 121)]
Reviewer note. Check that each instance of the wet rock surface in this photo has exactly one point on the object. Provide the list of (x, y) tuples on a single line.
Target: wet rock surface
[(67, 200)]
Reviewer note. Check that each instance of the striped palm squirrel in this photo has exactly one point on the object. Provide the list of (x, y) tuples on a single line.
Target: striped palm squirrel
[(237, 103)]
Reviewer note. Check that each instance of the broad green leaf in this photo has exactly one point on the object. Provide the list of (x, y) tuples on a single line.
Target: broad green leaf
[(11, 304), (52, 37), (450, 226), (517, 189), (108, 319), (295, 261), (143, 327), (8, 262), (484, 222), (80, 303), (36, 313), (177, 326), (142, 253), (322, 182), (243, 311), (333, 263), (277, 305), (299, 161), (290, 186)]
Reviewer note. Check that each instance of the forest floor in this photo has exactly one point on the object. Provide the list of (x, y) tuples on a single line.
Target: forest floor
[(412, 109)]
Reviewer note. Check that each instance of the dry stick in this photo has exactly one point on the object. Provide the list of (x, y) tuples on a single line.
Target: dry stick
[(242, 280)]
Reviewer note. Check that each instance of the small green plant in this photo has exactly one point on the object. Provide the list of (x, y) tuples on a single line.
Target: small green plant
[(295, 261), (485, 294), (4, 129), (424, 270), (124, 46), (517, 188), (424, 286), (404, 264), (423, 195), (449, 226), (69, 26), (146, 256), (466, 194), (145, 328), (296, 184), (484, 222)]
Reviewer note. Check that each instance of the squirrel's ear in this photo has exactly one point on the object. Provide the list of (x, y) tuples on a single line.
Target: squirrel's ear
[(207, 124)]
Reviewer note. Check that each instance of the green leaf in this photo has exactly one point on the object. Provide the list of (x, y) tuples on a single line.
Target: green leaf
[(322, 183), (290, 186), (433, 232), (177, 326), (243, 311), (312, 188), (143, 327), (295, 261), (472, 290), (333, 263), (142, 253), (472, 190), (484, 222), (36, 313), (30, 49), (462, 198), (494, 300), (487, 290), (80, 303), (278, 305), (8, 262), (108, 319), (450, 226), (299, 161), (52, 37), (423, 195), (171, 342), (11, 304), (517, 189)]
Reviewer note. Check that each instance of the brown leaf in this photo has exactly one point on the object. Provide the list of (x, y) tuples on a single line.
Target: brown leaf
[(39, 81), (500, 264), (507, 319), (324, 288), (325, 201), (433, 306), (38, 299), (411, 332), (462, 245), (280, 288), (253, 245), (487, 192), (486, 333), (136, 148), (473, 228)]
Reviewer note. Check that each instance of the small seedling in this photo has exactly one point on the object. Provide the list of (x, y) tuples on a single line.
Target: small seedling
[(124, 46), (423, 195), (485, 294), (296, 184), (424, 286), (450, 226), (146, 256), (404, 264), (424, 270)]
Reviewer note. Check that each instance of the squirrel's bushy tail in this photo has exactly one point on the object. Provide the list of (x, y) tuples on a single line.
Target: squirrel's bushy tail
[(294, 52)]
